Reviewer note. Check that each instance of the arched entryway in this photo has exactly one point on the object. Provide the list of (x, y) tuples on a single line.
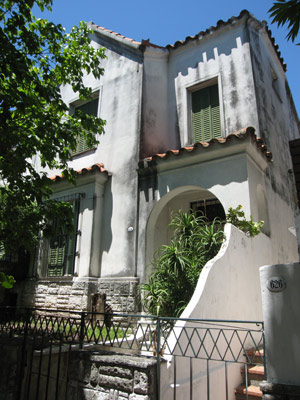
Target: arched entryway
[(182, 198)]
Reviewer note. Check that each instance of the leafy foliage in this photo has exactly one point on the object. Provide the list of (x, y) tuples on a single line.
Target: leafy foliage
[(6, 281), (287, 12), (176, 267), (37, 57), (236, 217)]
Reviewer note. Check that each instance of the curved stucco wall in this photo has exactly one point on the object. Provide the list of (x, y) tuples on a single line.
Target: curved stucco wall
[(228, 289), (229, 286)]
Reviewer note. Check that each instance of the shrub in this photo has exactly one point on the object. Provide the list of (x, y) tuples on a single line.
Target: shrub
[(237, 218), (177, 266)]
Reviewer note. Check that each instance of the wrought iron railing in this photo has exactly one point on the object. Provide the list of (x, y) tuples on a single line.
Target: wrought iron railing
[(222, 341), (219, 340)]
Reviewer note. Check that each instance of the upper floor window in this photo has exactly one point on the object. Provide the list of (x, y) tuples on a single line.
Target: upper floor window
[(90, 108), (206, 121)]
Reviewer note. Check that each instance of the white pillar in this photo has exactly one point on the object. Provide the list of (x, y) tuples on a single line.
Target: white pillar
[(280, 285)]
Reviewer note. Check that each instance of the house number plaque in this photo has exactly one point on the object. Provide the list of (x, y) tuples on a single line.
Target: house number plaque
[(276, 284)]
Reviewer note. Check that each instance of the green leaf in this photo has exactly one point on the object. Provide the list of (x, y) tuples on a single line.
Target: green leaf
[(6, 281)]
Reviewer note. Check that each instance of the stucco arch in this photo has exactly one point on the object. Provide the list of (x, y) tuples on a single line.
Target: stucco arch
[(157, 232)]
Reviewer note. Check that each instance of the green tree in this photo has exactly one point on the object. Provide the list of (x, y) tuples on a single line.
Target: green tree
[(37, 57), (287, 12)]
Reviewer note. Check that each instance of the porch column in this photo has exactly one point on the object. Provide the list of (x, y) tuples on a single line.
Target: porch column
[(280, 286)]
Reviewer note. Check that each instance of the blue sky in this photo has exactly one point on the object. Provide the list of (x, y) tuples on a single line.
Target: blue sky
[(166, 21)]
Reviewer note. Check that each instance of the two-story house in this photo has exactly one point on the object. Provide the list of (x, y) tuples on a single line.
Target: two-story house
[(204, 123)]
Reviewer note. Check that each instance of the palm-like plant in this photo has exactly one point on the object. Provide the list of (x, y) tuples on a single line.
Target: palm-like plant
[(177, 266)]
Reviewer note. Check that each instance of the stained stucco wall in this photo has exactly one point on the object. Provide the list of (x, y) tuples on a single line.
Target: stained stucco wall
[(120, 105), (278, 124), (225, 178), (223, 57)]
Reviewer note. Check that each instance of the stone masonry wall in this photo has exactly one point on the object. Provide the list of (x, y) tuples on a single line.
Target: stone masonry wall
[(10, 372), (122, 294), (75, 294), (111, 376)]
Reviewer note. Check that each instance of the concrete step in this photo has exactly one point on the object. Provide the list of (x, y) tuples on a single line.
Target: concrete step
[(256, 356), (254, 393), (256, 374)]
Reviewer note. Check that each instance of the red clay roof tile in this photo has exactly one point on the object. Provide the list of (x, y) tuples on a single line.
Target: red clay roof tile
[(94, 168), (240, 134), (115, 33), (200, 35)]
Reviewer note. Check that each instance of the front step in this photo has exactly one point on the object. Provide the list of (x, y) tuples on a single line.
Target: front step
[(256, 356), (255, 374), (254, 392)]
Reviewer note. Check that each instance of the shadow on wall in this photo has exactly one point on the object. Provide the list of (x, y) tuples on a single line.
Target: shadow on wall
[(107, 218), (221, 45)]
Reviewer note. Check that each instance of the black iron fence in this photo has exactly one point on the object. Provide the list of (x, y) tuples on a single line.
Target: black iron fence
[(201, 346)]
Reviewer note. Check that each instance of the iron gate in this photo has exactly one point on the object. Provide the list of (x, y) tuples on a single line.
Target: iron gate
[(193, 356)]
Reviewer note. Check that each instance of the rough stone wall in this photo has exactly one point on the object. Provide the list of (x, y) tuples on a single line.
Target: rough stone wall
[(10, 356), (70, 295), (111, 376), (59, 294), (122, 294)]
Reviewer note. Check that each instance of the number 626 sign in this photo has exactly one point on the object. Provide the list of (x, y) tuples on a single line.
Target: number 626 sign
[(276, 284)]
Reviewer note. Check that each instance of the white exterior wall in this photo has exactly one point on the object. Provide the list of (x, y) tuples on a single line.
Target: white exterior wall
[(220, 171), (120, 105), (278, 124), (156, 135), (224, 57)]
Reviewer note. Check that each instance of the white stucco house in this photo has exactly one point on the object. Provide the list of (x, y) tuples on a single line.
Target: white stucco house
[(203, 123)]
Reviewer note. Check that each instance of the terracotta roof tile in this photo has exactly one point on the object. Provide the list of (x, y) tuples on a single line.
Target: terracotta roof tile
[(94, 168), (222, 23), (115, 33), (210, 30), (240, 134), (276, 48), (200, 35)]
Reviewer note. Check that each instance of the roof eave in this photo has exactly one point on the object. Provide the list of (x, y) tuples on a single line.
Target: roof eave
[(245, 142)]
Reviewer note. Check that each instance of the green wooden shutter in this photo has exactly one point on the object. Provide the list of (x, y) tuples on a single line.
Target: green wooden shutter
[(71, 241), (206, 123), (90, 108), (56, 257), (62, 249)]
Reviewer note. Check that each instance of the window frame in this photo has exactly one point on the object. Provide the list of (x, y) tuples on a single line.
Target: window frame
[(207, 203), (67, 271), (76, 103), (195, 88)]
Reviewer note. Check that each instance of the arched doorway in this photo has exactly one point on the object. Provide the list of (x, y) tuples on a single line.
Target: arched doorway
[(182, 198)]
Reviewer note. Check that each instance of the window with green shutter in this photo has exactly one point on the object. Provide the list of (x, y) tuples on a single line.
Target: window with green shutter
[(206, 121), (90, 108), (62, 248)]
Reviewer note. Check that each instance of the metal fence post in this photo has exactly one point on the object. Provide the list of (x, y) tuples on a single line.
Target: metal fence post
[(24, 354), (81, 336), (158, 356), (264, 350)]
